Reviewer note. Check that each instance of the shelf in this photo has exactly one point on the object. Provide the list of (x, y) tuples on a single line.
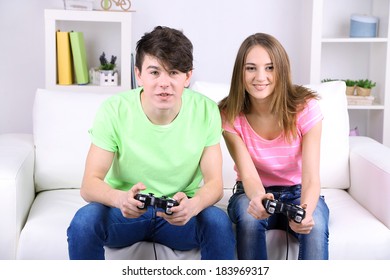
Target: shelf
[(366, 107), (336, 55), (354, 40), (103, 31), (89, 88), (75, 15)]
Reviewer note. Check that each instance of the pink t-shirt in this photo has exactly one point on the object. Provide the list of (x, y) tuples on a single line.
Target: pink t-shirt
[(278, 162)]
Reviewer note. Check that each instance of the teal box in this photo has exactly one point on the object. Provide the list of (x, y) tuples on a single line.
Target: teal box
[(363, 26)]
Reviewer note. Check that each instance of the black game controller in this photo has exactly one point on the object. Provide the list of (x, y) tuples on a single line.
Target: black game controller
[(163, 202), (291, 211)]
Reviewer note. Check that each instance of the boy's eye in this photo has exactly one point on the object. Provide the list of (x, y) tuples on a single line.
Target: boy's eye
[(173, 73)]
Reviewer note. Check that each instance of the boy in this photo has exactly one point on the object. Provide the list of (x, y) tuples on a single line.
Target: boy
[(160, 138)]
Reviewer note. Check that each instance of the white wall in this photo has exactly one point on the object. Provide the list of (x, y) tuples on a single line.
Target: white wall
[(216, 28)]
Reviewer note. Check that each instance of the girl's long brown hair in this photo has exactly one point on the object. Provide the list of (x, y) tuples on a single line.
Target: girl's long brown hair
[(286, 101)]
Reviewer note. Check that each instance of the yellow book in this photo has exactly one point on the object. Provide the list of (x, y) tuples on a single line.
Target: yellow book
[(64, 59)]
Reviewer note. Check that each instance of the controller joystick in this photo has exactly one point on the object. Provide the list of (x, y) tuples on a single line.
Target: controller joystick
[(291, 211), (163, 202)]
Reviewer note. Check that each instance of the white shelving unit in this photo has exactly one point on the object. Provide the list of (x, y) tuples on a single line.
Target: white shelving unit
[(103, 31), (334, 55)]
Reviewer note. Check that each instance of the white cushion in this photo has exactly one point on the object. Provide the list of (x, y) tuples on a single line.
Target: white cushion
[(216, 92), (46, 227), (335, 132), (61, 121), (349, 223), (48, 220), (144, 251), (335, 135)]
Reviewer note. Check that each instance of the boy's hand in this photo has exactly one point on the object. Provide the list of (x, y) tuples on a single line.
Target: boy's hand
[(128, 204), (182, 213)]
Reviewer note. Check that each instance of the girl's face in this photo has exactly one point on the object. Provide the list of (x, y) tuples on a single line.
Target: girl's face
[(259, 73)]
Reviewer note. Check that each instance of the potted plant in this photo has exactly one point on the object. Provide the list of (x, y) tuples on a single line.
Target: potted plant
[(364, 86), (351, 85), (105, 65), (106, 74)]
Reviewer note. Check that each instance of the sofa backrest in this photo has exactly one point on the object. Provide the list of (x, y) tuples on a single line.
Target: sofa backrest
[(335, 132), (335, 135), (61, 121)]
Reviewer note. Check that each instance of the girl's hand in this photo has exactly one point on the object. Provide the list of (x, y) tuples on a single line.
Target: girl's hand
[(256, 208)]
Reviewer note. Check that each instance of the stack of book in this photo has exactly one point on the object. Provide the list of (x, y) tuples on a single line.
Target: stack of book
[(71, 58)]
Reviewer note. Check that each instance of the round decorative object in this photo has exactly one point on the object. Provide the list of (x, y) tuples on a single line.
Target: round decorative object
[(124, 4)]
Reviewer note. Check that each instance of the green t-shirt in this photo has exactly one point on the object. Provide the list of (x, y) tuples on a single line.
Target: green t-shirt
[(164, 157)]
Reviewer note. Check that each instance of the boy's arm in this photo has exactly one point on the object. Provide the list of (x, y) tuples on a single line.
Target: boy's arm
[(95, 189)]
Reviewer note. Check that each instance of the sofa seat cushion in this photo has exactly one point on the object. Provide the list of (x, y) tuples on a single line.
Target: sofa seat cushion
[(44, 234), (144, 251), (350, 223)]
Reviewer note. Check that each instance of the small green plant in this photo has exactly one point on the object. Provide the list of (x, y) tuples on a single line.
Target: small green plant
[(365, 83), (104, 64), (350, 83)]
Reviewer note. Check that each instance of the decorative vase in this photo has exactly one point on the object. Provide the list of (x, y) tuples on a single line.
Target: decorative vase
[(363, 91), (104, 77)]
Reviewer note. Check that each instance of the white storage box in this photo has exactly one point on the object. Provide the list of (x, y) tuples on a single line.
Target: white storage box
[(103, 77), (363, 26)]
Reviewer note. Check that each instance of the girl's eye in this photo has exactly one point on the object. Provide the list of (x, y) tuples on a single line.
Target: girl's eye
[(269, 68), (250, 68)]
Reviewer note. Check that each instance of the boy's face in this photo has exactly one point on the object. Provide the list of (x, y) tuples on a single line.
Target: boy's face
[(163, 88)]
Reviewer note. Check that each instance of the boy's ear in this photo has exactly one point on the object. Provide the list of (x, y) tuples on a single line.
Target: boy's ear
[(138, 76), (188, 79)]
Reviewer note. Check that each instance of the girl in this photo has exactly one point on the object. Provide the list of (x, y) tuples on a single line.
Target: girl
[(272, 129)]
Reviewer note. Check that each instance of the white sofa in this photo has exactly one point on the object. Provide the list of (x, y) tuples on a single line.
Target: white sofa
[(40, 176)]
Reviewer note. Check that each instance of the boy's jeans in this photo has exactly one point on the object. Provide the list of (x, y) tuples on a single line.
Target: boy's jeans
[(95, 226)]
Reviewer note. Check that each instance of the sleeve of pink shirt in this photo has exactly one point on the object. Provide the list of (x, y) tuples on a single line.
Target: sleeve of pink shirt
[(226, 126)]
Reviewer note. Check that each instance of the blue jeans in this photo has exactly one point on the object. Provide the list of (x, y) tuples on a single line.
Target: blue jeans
[(95, 226), (250, 232)]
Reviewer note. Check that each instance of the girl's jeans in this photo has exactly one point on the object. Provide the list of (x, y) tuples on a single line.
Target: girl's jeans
[(250, 232), (95, 226)]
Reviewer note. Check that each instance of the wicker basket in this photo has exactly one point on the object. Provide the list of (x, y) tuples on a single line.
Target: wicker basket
[(350, 90), (363, 91)]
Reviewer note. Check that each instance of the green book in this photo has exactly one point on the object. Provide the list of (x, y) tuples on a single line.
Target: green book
[(79, 57)]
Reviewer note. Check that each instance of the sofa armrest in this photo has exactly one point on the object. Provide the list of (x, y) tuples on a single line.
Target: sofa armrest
[(370, 176), (16, 188)]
